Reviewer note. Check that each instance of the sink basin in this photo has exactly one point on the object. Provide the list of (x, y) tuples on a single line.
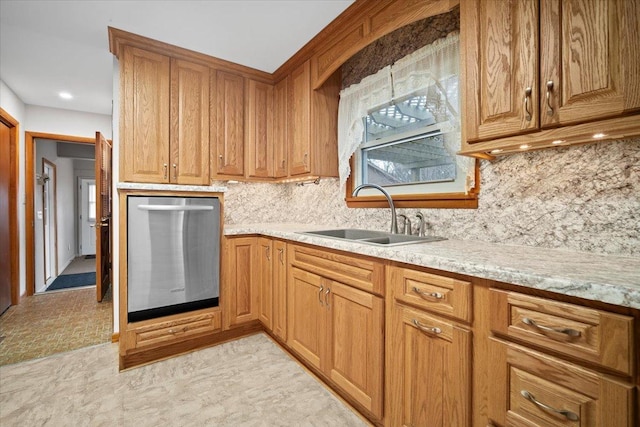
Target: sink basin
[(370, 237)]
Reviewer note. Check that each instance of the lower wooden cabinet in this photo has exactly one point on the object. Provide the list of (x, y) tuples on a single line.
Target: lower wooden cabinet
[(530, 388), (339, 330), (264, 280), (239, 297), (279, 298), (428, 363)]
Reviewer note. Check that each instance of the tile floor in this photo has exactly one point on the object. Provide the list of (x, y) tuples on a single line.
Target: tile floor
[(248, 382), (80, 265), (54, 322)]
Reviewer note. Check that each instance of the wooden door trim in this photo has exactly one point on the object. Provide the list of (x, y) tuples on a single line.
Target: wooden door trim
[(29, 174), (14, 238), (47, 162)]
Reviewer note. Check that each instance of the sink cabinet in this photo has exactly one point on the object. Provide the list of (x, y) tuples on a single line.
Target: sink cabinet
[(336, 328)]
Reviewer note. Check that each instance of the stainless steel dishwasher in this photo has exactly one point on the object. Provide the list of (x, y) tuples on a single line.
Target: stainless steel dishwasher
[(173, 255)]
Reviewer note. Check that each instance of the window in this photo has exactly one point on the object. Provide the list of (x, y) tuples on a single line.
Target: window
[(91, 189), (400, 128)]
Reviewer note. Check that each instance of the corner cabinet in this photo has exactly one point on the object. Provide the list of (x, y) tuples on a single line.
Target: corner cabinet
[(313, 124), (539, 73), (165, 119), (259, 130), (227, 129)]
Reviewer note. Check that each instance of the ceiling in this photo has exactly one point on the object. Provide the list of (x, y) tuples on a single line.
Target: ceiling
[(51, 46)]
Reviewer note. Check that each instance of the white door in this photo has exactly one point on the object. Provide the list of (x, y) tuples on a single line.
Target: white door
[(87, 216)]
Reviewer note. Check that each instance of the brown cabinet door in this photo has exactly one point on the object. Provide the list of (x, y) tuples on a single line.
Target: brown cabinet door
[(300, 114), (355, 344), (144, 155), (265, 281), (306, 320), (189, 123), (533, 389), (228, 127), (240, 300), (280, 289), (588, 59), (501, 82), (280, 128), (259, 130), (428, 362)]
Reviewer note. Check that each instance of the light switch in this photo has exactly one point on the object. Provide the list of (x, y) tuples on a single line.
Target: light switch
[(39, 214)]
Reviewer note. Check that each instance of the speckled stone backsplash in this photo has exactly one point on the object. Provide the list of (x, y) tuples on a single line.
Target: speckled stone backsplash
[(583, 198)]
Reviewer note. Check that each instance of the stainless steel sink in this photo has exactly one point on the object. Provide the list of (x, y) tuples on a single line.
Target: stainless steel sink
[(370, 237)]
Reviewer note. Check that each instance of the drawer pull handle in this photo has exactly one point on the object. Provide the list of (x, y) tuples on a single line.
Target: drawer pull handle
[(281, 251), (431, 330), (430, 296), (527, 96), (178, 331), (570, 333), (567, 414), (320, 294), (326, 297)]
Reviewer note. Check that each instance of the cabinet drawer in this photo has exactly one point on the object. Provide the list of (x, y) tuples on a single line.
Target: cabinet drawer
[(440, 294), (533, 389), (592, 335), (177, 330), (357, 272)]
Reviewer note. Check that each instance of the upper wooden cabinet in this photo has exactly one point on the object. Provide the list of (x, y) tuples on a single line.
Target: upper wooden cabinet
[(313, 125), (280, 128), (144, 146), (259, 130), (189, 130), (544, 71), (227, 106), (165, 131)]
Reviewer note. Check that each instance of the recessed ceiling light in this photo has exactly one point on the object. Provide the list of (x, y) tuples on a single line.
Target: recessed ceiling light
[(65, 95), (524, 146), (558, 141), (598, 135)]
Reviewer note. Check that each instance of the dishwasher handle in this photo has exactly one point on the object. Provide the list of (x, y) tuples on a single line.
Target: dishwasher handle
[(175, 208)]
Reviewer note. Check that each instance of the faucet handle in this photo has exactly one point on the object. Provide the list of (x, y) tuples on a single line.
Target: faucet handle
[(404, 222), (421, 224)]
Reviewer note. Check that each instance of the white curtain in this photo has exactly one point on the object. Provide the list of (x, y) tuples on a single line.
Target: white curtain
[(432, 70), (355, 102)]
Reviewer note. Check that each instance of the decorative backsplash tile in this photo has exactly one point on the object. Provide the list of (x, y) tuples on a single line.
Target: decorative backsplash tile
[(584, 198)]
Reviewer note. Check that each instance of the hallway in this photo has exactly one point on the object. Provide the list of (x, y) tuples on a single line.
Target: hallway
[(55, 322)]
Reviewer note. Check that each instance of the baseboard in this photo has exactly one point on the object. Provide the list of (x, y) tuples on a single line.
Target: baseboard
[(115, 337)]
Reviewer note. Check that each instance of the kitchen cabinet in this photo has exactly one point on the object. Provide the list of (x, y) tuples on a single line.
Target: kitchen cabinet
[(264, 277), (336, 328), (279, 297), (165, 126), (239, 298), (537, 352), (428, 357), (313, 124), (271, 276), (259, 130), (547, 68), (228, 108), (280, 128)]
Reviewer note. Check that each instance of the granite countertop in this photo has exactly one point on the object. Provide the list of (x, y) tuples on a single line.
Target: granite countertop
[(606, 278), (169, 187)]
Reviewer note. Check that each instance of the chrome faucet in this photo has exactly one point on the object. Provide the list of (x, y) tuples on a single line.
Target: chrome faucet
[(394, 221), (406, 228), (421, 224)]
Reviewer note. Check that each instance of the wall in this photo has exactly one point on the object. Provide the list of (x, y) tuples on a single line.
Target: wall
[(10, 102), (584, 198)]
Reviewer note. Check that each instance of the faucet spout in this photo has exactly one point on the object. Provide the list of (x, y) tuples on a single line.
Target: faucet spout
[(394, 221)]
